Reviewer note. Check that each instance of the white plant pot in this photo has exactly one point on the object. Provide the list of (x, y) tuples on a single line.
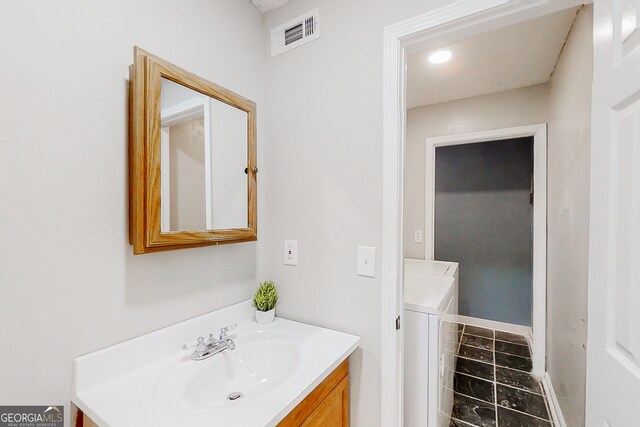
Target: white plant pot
[(265, 317)]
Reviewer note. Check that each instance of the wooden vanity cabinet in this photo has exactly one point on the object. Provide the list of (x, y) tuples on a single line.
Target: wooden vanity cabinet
[(80, 419), (334, 409), (326, 406)]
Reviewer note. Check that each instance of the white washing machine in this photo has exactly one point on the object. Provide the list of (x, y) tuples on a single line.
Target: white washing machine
[(430, 305)]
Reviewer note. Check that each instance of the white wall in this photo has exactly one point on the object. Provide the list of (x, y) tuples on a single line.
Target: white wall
[(568, 197), (70, 284), (498, 110), (324, 175)]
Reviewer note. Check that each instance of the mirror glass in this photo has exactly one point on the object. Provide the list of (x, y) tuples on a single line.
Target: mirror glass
[(203, 158)]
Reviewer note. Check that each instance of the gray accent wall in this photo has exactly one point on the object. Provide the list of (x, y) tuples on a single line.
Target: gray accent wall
[(484, 220)]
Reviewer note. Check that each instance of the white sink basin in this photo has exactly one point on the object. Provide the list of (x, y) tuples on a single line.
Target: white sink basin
[(263, 362), (152, 381)]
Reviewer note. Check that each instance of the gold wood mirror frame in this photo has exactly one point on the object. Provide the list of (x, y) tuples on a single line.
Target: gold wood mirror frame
[(145, 232)]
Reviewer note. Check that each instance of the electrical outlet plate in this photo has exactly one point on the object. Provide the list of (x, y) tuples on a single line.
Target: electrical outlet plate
[(291, 252)]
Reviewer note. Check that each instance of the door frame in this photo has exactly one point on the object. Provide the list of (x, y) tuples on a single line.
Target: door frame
[(462, 18), (539, 284), (190, 109)]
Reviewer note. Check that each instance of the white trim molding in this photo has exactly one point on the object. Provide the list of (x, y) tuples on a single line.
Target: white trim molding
[(554, 404), (491, 324), (463, 18)]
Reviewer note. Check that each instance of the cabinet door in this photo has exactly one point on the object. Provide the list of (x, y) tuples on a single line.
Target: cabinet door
[(334, 409)]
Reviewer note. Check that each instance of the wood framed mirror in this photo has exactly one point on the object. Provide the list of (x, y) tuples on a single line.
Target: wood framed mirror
[(192, 160)]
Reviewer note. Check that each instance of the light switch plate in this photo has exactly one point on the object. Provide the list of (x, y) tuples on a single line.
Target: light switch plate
[(291, 252), (417, 236), (366, 261)]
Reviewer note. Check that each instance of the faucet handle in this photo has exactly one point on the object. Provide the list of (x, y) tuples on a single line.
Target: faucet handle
[(212, 339), (201, 346), (224, 331)]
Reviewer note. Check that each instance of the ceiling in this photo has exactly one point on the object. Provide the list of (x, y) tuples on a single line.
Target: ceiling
[(512, 57), (267, 5)]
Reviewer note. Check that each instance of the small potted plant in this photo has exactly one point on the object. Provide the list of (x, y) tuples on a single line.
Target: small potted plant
[(265, 301)]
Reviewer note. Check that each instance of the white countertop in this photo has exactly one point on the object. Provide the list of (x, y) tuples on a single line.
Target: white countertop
[(428, 285), (117, 386)]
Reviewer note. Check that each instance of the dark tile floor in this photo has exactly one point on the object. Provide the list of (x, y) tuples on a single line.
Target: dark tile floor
[(492, 383)]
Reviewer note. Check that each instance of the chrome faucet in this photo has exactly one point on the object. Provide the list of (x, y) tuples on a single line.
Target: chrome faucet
[(213, 346)]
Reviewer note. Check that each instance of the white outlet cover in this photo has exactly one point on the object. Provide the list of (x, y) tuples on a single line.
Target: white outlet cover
[(366, 261), (417, 236), (291, 252)]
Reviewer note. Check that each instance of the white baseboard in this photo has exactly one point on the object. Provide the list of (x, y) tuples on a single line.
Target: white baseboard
[(554, 405), (492, 324)]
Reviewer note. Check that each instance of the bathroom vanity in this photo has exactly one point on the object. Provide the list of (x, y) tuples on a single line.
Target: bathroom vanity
[(430, 304), (286, 374)]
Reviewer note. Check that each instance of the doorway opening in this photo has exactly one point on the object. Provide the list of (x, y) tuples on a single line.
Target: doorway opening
[(492, 219), (483, 219), (432, 34)]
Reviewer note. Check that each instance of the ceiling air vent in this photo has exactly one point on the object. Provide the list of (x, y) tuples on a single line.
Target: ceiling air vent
[(294, 33)]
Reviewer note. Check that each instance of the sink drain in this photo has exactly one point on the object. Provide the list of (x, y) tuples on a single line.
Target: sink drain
[(234, 396)]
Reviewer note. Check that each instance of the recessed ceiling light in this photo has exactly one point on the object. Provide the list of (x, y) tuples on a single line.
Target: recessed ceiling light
[(440, 56)]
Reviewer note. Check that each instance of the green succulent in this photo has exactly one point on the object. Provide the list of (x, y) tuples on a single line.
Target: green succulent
[(266, 296)]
